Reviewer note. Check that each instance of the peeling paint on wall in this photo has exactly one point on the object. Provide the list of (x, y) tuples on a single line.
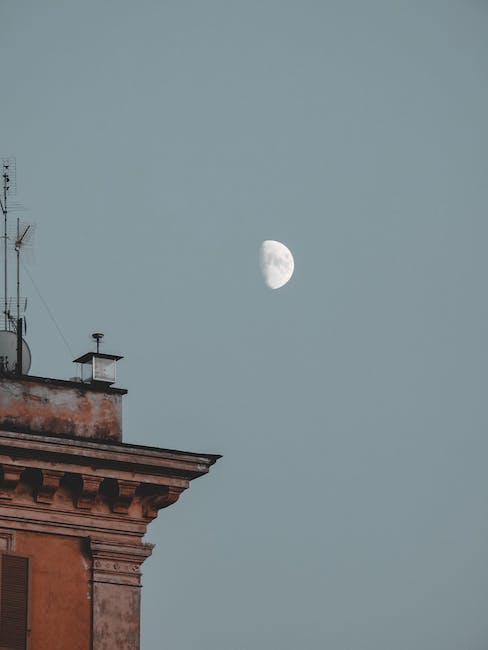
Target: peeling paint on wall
[(60, 408)]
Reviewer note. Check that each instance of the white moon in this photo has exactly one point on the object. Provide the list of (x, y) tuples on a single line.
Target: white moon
[(277, 263)]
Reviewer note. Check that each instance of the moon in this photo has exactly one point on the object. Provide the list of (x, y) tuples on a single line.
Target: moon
[(277, 263)]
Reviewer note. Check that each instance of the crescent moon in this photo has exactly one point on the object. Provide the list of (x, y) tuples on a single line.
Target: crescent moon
[(277, 263)]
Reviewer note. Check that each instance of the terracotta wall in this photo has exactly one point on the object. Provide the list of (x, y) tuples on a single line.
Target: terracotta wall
[(63, 408), (60, 591)]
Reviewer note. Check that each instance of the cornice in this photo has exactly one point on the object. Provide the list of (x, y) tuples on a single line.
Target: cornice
[(83, 487), (120, 456)]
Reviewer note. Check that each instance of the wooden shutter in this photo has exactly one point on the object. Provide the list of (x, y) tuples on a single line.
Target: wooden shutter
[(13, 602)]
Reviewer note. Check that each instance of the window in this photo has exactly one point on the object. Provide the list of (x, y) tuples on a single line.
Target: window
[(13, 602)]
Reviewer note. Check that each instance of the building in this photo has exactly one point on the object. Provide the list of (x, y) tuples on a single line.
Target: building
[(75, 503)]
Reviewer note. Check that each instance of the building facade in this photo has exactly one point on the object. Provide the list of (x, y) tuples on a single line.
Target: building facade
[(75, 503)]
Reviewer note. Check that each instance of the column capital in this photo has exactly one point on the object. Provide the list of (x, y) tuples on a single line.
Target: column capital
[(118, 563)]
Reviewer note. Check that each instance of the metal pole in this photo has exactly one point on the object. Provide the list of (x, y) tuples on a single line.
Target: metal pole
[(5, 181), (19, 346), (17, 249)]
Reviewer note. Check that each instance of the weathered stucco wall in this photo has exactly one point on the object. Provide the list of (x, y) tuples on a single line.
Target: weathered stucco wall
[(60, 408), (116, 616), (59, 591)]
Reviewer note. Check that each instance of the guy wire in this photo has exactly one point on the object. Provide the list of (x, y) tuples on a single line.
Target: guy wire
[(48, 310)]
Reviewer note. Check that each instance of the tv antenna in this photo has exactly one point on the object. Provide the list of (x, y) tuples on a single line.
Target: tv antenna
[(23, 238), (9, 178), (14, 351)]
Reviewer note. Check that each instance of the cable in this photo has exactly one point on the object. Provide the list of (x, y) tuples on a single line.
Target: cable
[(48, 310)]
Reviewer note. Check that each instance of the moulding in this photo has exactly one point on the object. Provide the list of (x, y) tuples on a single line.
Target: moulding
[(118, 563)]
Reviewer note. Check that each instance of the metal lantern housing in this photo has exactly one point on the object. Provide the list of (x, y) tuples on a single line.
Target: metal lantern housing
[(98, 367)]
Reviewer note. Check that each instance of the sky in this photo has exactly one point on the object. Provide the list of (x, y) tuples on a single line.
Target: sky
[(158, 143)]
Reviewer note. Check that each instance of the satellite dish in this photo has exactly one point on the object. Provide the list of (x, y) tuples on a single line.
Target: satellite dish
[(8, 353)]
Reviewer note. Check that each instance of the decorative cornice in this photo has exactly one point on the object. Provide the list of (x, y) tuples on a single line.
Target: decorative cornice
[(118, 563), (140, 461), (81, 488), (85, 490)]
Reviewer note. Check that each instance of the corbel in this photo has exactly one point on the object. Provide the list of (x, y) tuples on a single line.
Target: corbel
[(50, 484), (11, 477), (123, 500), (161, 498), (89, 492)]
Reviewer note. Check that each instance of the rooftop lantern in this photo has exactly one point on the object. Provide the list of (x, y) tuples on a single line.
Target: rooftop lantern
[(97, 367)]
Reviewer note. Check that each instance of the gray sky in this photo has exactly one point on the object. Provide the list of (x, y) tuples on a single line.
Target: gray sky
[(158, 143)]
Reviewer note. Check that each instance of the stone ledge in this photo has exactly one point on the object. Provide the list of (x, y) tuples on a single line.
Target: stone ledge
[(116, 455)]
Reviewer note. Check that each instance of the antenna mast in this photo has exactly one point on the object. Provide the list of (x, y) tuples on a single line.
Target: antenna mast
[(6, 181), (21, 238), (15, 355), (8, 178)]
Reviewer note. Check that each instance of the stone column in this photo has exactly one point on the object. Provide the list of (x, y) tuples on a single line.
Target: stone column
[(116, 594)]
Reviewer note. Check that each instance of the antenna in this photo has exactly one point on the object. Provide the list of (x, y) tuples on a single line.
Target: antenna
[(14, 351), (9, 185), (24, 235)]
